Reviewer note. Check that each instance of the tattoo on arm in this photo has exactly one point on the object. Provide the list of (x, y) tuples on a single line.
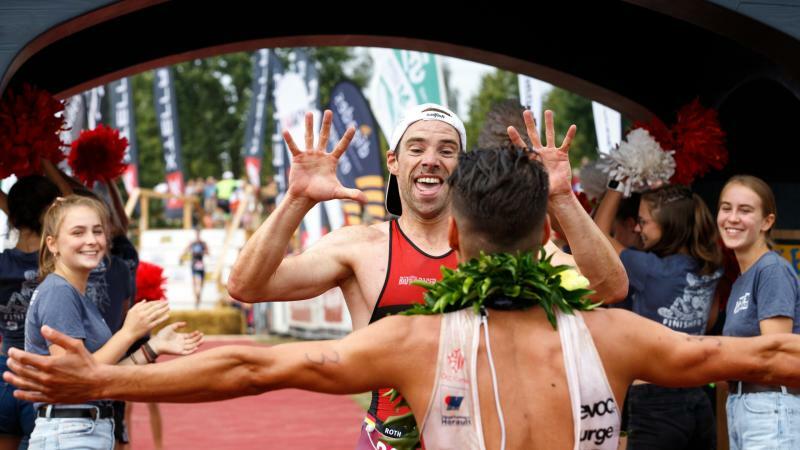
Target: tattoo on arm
[(700, 339), (322, 358)]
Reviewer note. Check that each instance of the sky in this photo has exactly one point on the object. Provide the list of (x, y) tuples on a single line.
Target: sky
[(466, 77)]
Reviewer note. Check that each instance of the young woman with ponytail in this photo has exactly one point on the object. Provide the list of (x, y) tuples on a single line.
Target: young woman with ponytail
[(764, 299), (74, 241), (672, 281)]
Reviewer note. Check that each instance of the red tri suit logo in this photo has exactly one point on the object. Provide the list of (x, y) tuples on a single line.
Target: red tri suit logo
[(408, 279)]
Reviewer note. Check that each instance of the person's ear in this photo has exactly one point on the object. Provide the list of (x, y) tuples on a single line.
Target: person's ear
[(768, 222), (391, 161), (546, 229), (452, 234), (50, 241)]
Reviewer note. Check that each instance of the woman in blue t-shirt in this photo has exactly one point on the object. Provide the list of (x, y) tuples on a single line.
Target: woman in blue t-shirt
[(764, 299), (672, 281), (19, 266), (74, 231)]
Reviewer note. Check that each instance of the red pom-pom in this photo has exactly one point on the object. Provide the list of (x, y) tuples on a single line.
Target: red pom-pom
[(701, 143), (697, 138), (660, 132), (29, 131), (97, 155), (150, 281)]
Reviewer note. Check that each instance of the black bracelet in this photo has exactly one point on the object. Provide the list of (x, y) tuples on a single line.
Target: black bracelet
[(133, 358), (616, 185), (149, 353)]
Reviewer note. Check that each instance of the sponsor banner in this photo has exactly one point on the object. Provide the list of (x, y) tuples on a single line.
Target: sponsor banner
[(124, 121), (167, 117), (361, 165), (401, 79), (256, 117)]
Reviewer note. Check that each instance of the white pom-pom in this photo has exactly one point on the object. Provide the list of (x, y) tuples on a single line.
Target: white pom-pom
[(639, 161)]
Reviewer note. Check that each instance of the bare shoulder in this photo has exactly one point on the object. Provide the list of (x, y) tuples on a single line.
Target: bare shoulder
[(355, 236), (613, 324), (408, 332), (410, 342)]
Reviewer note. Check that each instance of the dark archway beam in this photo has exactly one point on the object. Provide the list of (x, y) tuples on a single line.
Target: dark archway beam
[(632, 56)]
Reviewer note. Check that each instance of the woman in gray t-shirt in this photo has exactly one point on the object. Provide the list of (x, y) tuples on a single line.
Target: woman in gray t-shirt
[(74, 231), (765, 299), (672, 279)]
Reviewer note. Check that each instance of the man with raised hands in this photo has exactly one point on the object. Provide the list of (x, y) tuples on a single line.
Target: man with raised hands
[(375, 265)]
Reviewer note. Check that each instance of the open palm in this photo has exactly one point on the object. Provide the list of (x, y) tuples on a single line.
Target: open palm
[(168, 341), (313, 171), (555, 159)]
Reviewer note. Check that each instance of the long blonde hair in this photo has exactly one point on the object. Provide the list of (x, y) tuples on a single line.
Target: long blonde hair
[(51, 223)]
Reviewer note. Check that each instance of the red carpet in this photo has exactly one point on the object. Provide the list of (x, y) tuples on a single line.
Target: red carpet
[(289, 419)]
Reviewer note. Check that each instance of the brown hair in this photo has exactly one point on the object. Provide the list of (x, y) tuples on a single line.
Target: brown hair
[(685, 221), (54, 217), (503, 114), (764, 192)]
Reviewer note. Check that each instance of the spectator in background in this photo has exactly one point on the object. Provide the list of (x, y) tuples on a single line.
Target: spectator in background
[(74, 241), (765, 299), (225, 188), (210, 195), (672, 281), (27, 200)]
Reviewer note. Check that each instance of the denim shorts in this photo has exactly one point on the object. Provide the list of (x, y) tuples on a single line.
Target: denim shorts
[(69, 434), (764, 421)]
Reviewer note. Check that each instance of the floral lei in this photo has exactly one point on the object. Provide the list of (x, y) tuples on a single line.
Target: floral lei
[(506, 281)]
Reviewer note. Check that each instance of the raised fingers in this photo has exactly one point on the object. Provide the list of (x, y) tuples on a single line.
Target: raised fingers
[(325, 130), (351, 194), (309, 130), (568, 138), (290, 143), (549, 130), (530, 127), (344, 142), (515, 138)]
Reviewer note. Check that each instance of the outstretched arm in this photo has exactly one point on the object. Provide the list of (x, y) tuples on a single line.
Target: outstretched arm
[(261, 273), (357, 363), (668, 358), (591, 252)]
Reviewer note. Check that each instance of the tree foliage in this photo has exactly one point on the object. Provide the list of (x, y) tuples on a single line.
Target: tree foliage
[(569, 108), (497, 86), (212, 96)]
